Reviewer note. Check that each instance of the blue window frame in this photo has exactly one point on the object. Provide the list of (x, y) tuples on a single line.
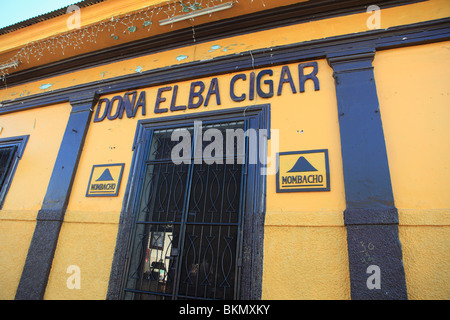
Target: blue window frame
[(135, 248), (11, 151)]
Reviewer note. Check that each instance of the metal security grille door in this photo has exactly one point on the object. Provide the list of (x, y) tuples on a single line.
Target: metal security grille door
[(187, 234)]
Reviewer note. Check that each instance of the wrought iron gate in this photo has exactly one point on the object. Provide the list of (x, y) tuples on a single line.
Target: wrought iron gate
[(187, 235)]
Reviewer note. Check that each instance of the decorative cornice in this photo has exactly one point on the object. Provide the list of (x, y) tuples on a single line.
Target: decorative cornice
[(349, 61), (268, 19), (83, 101), (408, 35)]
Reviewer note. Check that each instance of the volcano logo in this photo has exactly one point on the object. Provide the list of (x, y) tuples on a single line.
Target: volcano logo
[(302, 171), (302, 165), (106, 176)]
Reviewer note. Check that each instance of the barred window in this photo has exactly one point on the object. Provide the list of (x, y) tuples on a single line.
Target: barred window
[(6, 155), (187, 238), (11, 150)]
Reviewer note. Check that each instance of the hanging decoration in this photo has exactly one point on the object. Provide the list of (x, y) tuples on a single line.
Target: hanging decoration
[(117, 27)]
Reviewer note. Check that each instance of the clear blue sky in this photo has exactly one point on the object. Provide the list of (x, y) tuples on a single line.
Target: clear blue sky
[(13, 11)]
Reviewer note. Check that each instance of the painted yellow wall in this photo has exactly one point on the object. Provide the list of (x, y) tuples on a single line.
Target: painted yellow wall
[(305, 227), (46, 127), (302, 230), (305, 246), (305, 249), (414, 91)]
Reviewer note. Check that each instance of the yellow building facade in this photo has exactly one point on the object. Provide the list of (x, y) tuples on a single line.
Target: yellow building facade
[(341, 189)]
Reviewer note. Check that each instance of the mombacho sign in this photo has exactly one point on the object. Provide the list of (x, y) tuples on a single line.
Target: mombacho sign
[(301, 171), (105, 180)]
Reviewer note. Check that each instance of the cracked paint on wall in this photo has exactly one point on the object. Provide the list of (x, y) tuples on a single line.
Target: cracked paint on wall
[(45, 86), (215, 47), (182, 57)]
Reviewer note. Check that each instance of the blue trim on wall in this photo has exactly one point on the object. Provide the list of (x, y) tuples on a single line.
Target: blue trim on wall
[(370, 217), (36, 271), (366, 169)]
